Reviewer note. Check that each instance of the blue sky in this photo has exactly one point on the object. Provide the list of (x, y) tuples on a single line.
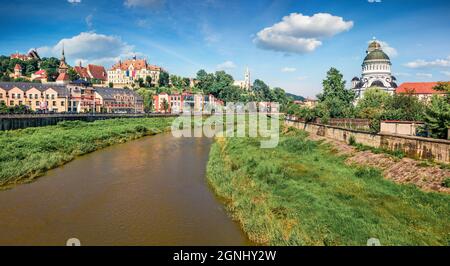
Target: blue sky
[(287, 43)]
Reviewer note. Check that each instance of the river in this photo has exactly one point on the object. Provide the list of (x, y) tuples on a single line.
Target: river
[(150, 191)]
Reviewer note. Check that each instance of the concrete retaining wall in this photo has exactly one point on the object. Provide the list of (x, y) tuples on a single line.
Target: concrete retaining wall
[(414, 147)]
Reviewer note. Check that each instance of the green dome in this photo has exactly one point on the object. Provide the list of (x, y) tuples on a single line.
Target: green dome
[(377, 55)]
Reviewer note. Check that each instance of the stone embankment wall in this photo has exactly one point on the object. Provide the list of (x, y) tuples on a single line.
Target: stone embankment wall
[(414, 147)]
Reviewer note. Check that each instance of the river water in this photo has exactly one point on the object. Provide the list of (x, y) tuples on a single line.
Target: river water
[(151, 191)]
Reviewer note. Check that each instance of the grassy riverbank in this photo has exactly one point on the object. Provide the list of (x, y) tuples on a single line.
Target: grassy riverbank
[(301, 193), (28, 153)]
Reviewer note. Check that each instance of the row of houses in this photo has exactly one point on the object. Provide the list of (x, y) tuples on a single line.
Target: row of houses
[(191, 102), (73, 98), (185, 102)]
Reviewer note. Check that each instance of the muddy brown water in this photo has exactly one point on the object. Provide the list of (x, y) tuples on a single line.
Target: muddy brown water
[(151, 191)]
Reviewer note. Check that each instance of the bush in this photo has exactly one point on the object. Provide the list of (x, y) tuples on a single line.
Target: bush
[(352, 140), (446, 182), (367, 172), (140, 129)]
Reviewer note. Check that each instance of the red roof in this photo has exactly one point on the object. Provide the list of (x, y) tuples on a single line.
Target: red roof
[(63, 77), (41, 72), (418, 88), (17, 66), (97, 72), (81, 71)]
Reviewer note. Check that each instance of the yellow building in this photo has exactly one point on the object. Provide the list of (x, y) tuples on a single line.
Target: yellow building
[(36, 96)]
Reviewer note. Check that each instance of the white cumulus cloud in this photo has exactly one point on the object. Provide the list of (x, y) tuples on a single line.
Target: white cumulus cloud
[(298, 33), (429, 64), (288, 69), (74, 1), (90, 47), (226, 65)]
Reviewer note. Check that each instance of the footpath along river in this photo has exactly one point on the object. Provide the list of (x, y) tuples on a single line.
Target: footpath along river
[(151, 191)]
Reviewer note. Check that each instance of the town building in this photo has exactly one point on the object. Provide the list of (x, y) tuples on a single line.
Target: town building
[(92, 73), (185, 103), (36, 96), (32, 54), (376, 72), (129, 71), (17, 72), (40, 75), (246, 83), (73, 97), (422, 90)]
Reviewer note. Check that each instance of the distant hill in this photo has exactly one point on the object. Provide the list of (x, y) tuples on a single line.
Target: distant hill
[(295, 97)]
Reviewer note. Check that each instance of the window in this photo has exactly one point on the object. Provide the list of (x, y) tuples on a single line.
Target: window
[(62, 103), (13, 95), (54, 103), (11, 103), (53, 96), (35, 96), (37, 103), (20, 102), (30, 96), (47, 96), (19, 96), (1, 95)]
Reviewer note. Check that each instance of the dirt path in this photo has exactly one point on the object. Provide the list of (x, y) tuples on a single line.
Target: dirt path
[(406, 170)]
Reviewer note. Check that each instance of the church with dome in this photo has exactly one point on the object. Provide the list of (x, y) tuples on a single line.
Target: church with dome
[(376, 72)]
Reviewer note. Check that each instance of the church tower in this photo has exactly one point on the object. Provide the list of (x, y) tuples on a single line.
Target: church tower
[(376, 71), (62, 63)]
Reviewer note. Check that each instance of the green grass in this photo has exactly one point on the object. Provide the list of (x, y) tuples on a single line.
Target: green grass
[(27, 153), (300, 193)]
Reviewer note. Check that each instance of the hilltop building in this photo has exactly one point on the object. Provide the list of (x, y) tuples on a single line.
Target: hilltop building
[(246, 83), (91, 72), (32, 54), (17, 72), (129, 71), (376, 71)]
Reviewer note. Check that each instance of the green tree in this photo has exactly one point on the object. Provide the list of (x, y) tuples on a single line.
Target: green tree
[(437, 117), (148, 81), (110, 84), (165, 105), (163, 78), (147, 96), (372, 106), (73, 75), (335, 100)]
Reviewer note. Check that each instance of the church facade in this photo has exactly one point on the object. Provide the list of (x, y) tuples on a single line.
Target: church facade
[(376, 72)]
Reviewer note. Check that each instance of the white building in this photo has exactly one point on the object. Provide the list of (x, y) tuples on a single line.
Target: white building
[(376, 71), (245, 84)]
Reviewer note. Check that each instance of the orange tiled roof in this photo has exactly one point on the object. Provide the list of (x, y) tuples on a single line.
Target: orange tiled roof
[(418, 88), (17, 66), (138, 64)]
